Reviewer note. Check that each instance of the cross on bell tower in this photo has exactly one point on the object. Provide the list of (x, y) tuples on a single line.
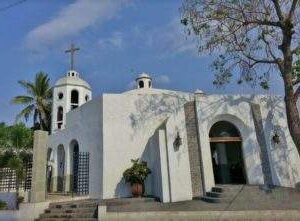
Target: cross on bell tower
[(72, 51)]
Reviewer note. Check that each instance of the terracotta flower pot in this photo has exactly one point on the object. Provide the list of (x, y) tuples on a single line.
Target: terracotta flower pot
[(137, 190)]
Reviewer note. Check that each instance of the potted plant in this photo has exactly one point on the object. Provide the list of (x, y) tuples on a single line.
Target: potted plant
[(136, 176)]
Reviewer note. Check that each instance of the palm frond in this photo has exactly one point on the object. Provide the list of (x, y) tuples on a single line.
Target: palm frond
[(22, 100), (28, 86), (26, 112)]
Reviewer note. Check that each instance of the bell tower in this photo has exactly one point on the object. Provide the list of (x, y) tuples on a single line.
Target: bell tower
[(69, 93), (143, 81)]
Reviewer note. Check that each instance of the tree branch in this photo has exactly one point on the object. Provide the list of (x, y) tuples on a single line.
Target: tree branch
[(265, 22), (278, 9), (293, 8)]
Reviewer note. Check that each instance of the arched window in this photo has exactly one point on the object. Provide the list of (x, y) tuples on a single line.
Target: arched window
[(74, 99), (87, 97), (74, 160), (224, 130), (141, 84), (60, 115), (60, 168)]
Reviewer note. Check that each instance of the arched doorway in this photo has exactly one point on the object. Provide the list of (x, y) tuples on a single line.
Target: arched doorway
[(60, 168), (74, 154), (49, 169), (227, 155)]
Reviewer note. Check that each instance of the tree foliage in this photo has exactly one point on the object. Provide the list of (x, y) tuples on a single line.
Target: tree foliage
[(37, 101), (255, 38), (17, 136)]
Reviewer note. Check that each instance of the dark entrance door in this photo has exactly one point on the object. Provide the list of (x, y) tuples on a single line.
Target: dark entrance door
[(228, 163), (75, 167), (227, 156)]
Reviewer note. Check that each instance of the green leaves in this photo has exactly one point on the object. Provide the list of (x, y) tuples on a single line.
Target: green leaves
[(16, 136), (37, 101), (137, 173)]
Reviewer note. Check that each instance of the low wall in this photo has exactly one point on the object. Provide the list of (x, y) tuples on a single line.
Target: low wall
[(27, 212), (9, 198)]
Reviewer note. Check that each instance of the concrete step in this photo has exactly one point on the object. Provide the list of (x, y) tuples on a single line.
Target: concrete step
[(217, 189), (230, 188), (211, 199), (66, 219), (215, 194), (69, 215), (126, 201), (68, 210), (74, 205)]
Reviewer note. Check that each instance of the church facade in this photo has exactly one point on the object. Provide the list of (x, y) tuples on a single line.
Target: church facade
[(190, 141)]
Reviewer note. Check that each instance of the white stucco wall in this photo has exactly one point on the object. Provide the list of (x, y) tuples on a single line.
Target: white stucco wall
[(178, 157), (84, 125), (130, 121), (237, 110), (143, 123), (284, 156)]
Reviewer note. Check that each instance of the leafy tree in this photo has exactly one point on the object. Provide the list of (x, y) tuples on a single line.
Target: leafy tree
[(256, 38), (4, 140), (20, 136), (37, 101), (16, 136)]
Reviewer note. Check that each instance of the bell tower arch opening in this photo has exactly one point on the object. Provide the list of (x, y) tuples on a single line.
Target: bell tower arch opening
[(143, 81), (74, 155), (227, 155)]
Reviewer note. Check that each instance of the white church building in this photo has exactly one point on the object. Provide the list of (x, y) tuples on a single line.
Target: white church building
[(191, 141)]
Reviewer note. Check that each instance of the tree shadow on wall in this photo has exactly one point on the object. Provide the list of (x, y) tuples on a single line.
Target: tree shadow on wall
[(276, 110), (150, 107)]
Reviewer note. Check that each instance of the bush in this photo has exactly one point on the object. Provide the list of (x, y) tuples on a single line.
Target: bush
[(137, 173), (2, 205)]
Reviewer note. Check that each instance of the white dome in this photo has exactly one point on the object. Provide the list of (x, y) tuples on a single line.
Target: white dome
[(198, 91), (72, 78), (143, 75)]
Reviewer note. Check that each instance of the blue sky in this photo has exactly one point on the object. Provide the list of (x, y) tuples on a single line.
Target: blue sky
[(117, 38)]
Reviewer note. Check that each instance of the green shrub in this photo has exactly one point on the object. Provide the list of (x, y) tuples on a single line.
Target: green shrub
[(2, 205), (137, 173)]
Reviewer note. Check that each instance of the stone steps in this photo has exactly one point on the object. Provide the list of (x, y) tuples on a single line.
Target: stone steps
[(69, 215), (67, 219), (71, 210), (221, 193)]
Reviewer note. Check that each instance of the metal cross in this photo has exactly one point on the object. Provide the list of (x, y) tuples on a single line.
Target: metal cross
[(72, 51)]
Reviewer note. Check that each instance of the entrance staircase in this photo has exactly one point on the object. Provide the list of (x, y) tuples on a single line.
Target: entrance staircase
[(71, 210), (222, 193)]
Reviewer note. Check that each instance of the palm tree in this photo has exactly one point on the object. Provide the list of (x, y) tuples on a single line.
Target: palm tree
[(37, 101)]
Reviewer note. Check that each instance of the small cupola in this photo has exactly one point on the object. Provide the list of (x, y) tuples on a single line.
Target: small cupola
[(72, 73), (143, 81)]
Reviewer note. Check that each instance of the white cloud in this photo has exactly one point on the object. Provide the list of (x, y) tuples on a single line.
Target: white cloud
[(73, 19), (171, 39), (115, 41), (162, 79)]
